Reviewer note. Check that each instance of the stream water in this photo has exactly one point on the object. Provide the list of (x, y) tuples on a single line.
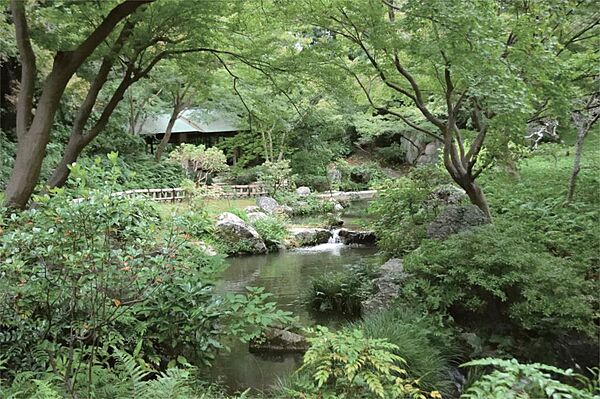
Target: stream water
[(287, 276)]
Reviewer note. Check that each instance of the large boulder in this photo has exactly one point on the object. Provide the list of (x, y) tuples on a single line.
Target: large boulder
[(254, 216), (284, 210), (444, 195), (252, 209), (303, 191), (386, 287), (455, 219), (354, 237), (278, 340), (233, 229), (267, 204), (304, 236), (429, 155), (419, 149)]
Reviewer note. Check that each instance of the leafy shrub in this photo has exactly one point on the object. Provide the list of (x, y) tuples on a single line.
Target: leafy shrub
[(134, 172), (83, 280), (7, 157), (315, 182), (346, 364), (275, 175), (199, 162), (536, 201), (195, 221), (310, 167), (242, 176), (273, 230), (528, 381), (341, 291), (499, 276), (400, 217), (421, 340), (358, 177), (129, 377), (250, 315), (304, 205)]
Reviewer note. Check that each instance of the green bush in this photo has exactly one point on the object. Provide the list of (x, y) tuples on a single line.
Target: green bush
[(304, 205), (347, 364), (510, 379), (135, 172), (273, 230), (358, 177), (500, 277), (84, 280), (275, 175), (422, 341), (400, 217), (242, 176), (341, 291), (195, 221), (317, 183)]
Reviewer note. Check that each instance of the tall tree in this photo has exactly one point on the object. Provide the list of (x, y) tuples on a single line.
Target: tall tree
[(33, 131), (463, 73), (585, 119)]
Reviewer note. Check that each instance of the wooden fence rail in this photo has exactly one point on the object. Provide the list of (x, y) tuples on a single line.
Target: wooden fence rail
[(224, 191), (178, 194)]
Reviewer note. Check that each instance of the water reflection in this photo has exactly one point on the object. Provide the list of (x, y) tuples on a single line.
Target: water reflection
[(287, 276)]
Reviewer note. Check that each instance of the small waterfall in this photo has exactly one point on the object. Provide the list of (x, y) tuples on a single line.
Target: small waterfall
[(335, 237), (333, 246)]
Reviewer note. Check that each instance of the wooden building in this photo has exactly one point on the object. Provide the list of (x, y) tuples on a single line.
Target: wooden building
[(194, 126)]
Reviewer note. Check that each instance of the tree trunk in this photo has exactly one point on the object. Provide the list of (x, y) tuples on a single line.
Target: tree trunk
[(478, 198), (32, 140), (61, 172), (582, 131), (31, 147), (460, 167), (165, 140), (576, 165)]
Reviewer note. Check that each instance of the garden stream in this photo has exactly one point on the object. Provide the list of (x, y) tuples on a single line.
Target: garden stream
[(287, 275)]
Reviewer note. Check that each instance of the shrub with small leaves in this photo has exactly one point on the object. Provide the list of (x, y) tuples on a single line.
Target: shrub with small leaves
[(350, 365), (511, 379)]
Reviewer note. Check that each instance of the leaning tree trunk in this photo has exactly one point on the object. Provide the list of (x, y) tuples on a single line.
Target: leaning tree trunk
[(33, 139), (165, 140), (31, 148), (61, 173)]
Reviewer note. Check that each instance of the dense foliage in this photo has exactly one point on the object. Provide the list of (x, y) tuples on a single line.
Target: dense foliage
[(342, 291), (348, 365), (87, 281), (404, 208), (431, 103)]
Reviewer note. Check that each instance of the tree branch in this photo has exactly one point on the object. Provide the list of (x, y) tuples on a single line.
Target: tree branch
[(116, 15), (108, 61), (28, 68)]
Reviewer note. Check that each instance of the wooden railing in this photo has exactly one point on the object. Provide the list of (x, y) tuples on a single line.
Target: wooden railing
[(178, 194), (224, 191)]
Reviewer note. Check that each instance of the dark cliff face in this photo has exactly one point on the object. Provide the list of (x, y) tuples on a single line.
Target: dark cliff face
[(9, 78)]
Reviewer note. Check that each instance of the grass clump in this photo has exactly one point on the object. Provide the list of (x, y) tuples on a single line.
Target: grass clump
[(273, 230), (420, 340), (341, 291)]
